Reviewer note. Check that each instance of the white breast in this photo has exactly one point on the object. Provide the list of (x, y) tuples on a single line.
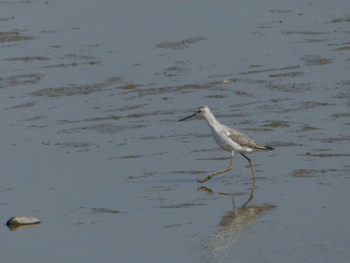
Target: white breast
[(225, 142)]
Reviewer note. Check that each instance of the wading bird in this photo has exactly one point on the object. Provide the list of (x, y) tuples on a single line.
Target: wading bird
[(228, 139)]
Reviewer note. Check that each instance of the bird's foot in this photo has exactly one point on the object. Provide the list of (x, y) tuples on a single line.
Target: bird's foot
[(203, 180)]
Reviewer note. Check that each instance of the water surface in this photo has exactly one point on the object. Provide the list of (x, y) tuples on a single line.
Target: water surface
[(91, 94)]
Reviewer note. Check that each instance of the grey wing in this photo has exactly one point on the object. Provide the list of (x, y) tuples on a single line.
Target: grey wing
[(245, 140)]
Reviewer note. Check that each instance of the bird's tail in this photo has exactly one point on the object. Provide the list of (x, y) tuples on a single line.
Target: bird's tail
[(265, 148), (268, 148)]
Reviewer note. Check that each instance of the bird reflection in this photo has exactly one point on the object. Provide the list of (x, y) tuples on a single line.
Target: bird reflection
[(233, 223), (251, 195)]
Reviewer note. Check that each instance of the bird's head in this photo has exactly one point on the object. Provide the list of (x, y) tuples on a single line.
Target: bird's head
[(200, 112)]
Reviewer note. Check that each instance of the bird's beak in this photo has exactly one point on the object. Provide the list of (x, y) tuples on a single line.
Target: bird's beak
[(188, 117)]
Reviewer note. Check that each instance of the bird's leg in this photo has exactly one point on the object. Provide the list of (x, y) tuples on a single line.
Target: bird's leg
[(251, 165), (217, 173)]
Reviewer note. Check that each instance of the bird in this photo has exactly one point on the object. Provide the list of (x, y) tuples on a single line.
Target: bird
[(229, 140)]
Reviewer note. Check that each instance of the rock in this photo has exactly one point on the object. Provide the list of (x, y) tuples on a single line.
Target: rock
[(22, 222)]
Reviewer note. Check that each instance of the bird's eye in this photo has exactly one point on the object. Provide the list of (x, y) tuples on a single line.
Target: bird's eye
[(199, 111)]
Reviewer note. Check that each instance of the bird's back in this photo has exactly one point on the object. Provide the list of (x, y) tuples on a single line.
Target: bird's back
[(245, 141)]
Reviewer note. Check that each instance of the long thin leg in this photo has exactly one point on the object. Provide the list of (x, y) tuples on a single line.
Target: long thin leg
[(219, 172), (251, 165)]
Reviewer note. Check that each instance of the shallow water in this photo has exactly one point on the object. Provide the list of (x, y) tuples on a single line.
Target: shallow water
[(91, 94)]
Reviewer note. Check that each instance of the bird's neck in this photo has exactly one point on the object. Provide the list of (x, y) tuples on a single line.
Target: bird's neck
[(212, 121)]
